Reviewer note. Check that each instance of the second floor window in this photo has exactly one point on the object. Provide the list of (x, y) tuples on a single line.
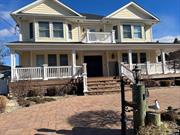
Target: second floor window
[(137, 31), (58, 31), (44, 29), (127, 31), (70, 31), (116, 31)]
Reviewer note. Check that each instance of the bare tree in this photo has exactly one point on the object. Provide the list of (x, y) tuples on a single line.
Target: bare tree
[(4, 51)]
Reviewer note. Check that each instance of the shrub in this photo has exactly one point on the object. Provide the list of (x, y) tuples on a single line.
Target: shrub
[(24, 103), (151, 83), (177, 82), (51, 91), (169, 116), (3, 101), (165, 83), (154, 130)]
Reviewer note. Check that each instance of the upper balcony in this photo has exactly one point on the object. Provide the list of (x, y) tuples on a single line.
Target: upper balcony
[(99, 37)]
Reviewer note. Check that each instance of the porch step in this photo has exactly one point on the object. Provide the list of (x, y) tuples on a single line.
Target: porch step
[(103, 85)]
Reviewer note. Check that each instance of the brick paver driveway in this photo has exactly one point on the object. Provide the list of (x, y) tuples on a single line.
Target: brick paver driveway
[(61, 116)]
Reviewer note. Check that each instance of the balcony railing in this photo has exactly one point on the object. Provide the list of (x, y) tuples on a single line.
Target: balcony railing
[(99, 37)]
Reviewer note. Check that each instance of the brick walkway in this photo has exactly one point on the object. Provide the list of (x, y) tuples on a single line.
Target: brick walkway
[(61, 116)]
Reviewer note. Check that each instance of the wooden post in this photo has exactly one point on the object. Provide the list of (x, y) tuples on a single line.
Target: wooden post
[(139, 99)]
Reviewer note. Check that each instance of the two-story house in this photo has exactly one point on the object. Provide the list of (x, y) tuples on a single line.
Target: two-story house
[(55, 41)]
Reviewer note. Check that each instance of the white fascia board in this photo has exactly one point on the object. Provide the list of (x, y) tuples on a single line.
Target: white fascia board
[(40, 1), (28, 6), (132, 3), (68, 8)]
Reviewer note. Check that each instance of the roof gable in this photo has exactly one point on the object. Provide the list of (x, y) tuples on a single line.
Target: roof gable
[(53, 7), (132, 11)]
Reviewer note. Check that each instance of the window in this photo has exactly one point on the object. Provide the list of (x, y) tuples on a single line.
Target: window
[(39, 60), (44, 29), (63, 60), (31, 30), (125, 58), (58, 30), (134, 58), (52, 60), (137, 31), (127, 31), (116, 31), (143, 57), (70, 31)]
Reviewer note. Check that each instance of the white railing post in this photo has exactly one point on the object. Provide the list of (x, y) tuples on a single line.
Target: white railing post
[(147, 67), (45, 77), (163, 60), (20, 36), (84, 67), (113, 36), (87, 36), (13, 66), (73, 63), (130, 59)]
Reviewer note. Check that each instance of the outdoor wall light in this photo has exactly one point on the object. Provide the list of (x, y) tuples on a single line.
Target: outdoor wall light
[(112, 56), (137, 74)]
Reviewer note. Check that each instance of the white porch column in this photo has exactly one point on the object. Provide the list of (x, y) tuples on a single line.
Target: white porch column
[(113, 36), (73, 62), (130, 59), (13, 65), (107, 64), (163, 60), (87, 36)]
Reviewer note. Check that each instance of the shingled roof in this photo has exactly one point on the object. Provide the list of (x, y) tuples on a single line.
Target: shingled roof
[(92, 16)]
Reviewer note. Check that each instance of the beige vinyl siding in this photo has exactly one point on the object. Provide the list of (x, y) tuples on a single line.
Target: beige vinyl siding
[(25, 30), (25, 59), (49, 7), (148, 32), (131, 13)]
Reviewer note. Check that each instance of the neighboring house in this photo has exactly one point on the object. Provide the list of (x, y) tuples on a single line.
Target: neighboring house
[(5, 71), (54, 34)]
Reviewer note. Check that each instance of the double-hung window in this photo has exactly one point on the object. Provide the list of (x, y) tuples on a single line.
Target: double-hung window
[(137, 31), (44, 29), (63, 60), (125, 58), (70, 31), (143, 58), (39, 60), (127, 31), (58, 31)]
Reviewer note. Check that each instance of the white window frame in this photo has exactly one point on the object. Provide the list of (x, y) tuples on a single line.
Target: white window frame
[(44, 30), (59, 29), (137, 32)]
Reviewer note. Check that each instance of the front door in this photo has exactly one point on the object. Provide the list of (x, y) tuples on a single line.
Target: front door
[(94, 66), (113, 68)]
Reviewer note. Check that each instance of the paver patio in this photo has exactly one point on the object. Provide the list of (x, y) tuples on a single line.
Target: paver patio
[(61, 116)]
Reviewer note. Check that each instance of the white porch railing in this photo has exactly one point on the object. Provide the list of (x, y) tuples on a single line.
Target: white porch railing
[(125, 71), (99, 37), (45, 73)]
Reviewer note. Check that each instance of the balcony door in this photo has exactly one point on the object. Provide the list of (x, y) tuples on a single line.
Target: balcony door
[(52, 60)]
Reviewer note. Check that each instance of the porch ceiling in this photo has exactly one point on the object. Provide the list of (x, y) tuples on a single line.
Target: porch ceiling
[(93, 47)]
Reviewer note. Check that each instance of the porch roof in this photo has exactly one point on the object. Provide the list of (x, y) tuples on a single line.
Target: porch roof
[(93, 46)]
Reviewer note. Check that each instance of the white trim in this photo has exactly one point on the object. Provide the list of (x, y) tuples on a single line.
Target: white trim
[(39, 2), (127, 5)]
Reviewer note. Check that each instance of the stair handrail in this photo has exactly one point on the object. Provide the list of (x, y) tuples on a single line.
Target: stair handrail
[(125, 71)]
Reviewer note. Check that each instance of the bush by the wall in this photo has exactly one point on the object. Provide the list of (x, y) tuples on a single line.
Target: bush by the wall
[(165, 83), (151, 83), (177, 82)]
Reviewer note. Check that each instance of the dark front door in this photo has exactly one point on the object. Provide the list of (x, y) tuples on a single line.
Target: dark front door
[(94, 66)]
